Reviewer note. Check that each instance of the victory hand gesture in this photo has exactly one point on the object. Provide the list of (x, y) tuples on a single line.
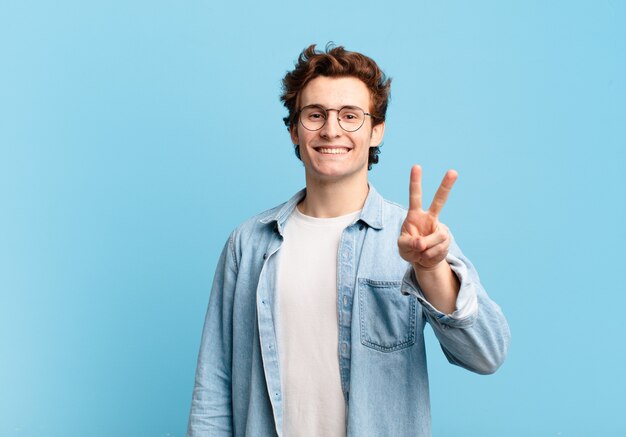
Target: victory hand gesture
[(423, 240)]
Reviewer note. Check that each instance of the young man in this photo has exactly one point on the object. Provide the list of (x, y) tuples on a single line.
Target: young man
[(316, 315)]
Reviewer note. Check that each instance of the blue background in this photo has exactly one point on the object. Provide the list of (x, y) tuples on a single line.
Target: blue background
[(134, 135)]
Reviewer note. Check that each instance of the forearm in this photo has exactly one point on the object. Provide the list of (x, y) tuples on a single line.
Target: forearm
[(478, 343), (439, 285), (211, 405), (476, 335)]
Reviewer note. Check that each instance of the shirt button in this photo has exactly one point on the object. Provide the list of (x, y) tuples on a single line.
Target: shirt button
[(265, 256), (345, 300), (344, 348)]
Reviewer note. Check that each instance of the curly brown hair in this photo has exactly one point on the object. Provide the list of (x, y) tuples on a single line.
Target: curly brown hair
[(335, 61)]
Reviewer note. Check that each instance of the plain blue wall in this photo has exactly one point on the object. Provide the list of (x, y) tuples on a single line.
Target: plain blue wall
[(134, 135)]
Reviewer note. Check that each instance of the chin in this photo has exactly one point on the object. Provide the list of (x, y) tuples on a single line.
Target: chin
[(335, 172)]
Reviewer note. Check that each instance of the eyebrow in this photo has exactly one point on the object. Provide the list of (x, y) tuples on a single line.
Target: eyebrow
[(341, 107)]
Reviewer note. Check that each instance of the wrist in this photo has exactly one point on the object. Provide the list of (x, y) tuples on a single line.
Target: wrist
[(419, 269)]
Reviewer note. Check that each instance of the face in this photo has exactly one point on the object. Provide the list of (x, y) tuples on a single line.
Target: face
[(331, 154)]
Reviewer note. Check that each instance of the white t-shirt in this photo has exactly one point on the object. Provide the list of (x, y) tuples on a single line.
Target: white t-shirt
[(307, 328)]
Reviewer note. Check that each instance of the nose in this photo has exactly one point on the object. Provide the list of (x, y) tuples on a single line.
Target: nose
[(331, 128)]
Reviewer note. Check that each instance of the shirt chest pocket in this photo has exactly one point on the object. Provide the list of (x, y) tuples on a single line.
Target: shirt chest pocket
[(387, 317)]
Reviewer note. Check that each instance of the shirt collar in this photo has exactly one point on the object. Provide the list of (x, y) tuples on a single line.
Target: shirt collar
[(371, 214)]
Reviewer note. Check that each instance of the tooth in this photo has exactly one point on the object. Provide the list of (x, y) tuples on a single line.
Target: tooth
[(335, 151)]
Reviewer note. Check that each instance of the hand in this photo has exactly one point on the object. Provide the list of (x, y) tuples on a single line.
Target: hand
[(423, 240)]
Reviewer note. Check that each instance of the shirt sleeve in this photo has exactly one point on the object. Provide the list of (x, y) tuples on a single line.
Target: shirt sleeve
[(476, 335), (211, 404), (466, 302)]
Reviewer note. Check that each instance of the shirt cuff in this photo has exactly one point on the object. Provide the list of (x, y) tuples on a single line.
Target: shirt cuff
[(466, 302)]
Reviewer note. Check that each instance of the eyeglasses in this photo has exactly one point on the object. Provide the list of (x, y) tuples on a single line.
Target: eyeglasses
[(350, 118)]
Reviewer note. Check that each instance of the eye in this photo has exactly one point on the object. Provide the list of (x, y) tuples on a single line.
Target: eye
[(314, 113), (350, 115)]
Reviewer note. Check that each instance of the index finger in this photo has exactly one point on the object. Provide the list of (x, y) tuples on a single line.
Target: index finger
[(415, 188), (442, 192)]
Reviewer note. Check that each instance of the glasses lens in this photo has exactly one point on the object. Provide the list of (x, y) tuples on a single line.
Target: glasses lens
[(351, 118), (313, 117)]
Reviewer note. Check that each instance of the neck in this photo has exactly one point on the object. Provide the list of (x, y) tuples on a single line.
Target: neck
[(333, 199)]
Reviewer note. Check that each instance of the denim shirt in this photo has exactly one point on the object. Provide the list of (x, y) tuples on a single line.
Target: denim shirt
[(381, 315)]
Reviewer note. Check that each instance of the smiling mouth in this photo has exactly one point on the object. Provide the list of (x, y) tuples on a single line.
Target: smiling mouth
[(332, 150)]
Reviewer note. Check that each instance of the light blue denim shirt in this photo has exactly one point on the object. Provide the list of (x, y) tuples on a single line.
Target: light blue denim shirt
[(381, 316)]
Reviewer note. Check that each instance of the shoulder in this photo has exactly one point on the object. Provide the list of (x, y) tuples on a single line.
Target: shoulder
[(393, 213), (250, 240), (257, 233), (380, 213), (268, 219), (259, 222), (394, 207)]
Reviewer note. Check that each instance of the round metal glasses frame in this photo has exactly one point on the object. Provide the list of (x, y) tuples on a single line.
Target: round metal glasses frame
[(344, 115)]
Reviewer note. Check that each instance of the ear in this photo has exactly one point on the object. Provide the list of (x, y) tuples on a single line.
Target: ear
[(378, 132), (293, 132)]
